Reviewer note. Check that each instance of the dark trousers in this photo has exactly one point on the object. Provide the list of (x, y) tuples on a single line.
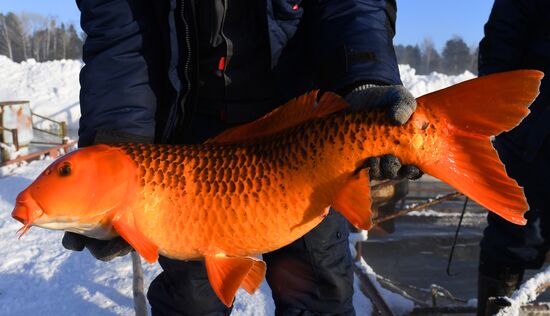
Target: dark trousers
[(523, 247), (311, 276)]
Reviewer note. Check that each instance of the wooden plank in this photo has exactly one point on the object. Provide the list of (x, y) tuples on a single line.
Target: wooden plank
[(140, 304), (381, 307), (53, 152)]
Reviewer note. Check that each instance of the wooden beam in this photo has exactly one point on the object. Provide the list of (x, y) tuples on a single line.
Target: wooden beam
[(53, 152), (381, 307)]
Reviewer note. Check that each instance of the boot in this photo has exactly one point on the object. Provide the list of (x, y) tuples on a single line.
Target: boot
[(495, 281)]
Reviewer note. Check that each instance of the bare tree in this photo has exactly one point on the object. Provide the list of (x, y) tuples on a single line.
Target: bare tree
[(32, 23), (64, 39), (431, 60), (53, 49)]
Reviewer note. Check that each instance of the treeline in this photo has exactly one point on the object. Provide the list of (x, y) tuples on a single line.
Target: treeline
[(455, 58), (31, 35)]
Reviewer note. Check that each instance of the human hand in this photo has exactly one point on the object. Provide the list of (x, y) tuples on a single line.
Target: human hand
[(104, 250), (399, 104)]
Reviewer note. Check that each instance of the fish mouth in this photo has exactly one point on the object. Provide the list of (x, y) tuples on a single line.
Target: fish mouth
[(26, 211)]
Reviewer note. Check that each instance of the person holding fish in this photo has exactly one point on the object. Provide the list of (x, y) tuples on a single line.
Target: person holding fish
[(517, 37), (183, 71), (219, 186)]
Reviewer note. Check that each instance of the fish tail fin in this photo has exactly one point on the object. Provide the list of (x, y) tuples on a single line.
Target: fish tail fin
[(470, 113)]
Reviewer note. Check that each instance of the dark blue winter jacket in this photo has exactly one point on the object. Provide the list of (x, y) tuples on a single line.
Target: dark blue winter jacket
[(141, 58), (517, 36)]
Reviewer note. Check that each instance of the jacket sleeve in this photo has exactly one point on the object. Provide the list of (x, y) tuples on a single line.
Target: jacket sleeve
[(352, 41), (116, 92), (516, 37), (507, 33)]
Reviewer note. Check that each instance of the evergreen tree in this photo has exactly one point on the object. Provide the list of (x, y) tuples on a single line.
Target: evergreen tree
[(74, 46), (409, 55), (456, 56)]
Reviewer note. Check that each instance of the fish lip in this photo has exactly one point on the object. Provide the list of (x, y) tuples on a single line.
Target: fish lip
[(19, 219), (27, 210), (21, 213)]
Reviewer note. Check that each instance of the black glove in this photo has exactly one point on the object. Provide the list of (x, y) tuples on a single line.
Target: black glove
[(400, 105), (104, 250)]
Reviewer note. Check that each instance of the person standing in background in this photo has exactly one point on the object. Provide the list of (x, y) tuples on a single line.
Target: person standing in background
[(517, 36)]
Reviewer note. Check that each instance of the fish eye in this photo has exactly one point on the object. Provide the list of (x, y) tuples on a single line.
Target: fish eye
[(64, 170)]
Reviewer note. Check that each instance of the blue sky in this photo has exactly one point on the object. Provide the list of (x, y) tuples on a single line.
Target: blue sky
[(441, 20), (416, 19)]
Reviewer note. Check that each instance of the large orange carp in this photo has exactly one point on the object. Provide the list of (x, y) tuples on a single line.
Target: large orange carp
[(258, 187)]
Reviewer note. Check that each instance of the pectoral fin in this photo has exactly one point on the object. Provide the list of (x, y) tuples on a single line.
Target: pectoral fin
[(227, 274), (354, 201), (125, 226)]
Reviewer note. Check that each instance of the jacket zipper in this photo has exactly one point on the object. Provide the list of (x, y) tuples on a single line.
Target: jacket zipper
[(174, 118)]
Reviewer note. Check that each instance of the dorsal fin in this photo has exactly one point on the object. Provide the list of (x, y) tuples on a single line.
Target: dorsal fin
[(292, 113)]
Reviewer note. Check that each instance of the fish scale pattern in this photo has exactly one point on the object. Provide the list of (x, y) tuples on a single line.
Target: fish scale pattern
[(243, 199)]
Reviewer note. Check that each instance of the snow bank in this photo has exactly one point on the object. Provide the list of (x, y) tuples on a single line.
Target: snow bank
[(527, 293), (51, 87), (422, 84)]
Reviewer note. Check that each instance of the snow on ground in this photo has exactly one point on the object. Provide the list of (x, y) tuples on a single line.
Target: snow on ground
[(51, 87), (37, 275), (527, 293)]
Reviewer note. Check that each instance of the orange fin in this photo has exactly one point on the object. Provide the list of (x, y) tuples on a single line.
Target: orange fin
[(126, 228), (227, 274), (472, 112), (255, 276), (294, 112), (354, 201)]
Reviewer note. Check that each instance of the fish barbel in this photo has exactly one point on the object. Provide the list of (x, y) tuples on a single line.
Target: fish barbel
[(260, 186)]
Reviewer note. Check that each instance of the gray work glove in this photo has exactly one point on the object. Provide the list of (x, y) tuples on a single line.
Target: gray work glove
[(104, 250), (399, 104)]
